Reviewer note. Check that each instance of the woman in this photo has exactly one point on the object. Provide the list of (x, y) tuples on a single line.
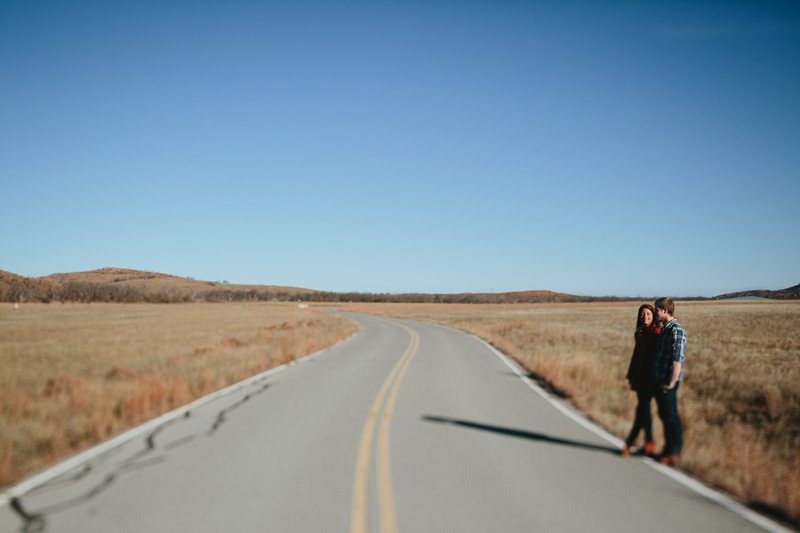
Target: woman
[(644, 351)]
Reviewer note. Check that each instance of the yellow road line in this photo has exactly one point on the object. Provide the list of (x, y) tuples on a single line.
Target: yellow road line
[(385, 496), (358, 522)]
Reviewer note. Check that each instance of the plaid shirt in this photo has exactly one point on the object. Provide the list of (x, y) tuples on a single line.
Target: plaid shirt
[(671, 347)]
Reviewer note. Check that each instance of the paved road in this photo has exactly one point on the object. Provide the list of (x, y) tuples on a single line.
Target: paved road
[(406, 427)]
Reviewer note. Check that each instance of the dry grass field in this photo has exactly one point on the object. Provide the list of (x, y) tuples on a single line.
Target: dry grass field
[(739, 401), (75, 374)]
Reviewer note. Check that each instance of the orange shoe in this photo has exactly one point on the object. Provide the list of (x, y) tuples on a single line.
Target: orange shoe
[(626, 451), (669, 460), (650, 448)]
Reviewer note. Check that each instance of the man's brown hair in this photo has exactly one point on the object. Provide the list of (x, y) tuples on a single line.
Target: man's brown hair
[(665, 303)]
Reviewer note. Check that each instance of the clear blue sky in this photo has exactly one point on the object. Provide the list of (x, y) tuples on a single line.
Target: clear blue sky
[(632, 149)]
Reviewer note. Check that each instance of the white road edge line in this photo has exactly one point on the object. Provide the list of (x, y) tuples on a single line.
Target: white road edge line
[(24, 487), (692, 484)]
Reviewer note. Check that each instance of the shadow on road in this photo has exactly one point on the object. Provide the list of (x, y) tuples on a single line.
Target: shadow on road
[(519, 433)]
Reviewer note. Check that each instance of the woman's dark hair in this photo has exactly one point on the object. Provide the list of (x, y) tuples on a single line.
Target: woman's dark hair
[(639, 323)]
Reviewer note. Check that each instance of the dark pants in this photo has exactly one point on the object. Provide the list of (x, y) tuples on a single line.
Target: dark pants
[(668, 412), (643, 419)]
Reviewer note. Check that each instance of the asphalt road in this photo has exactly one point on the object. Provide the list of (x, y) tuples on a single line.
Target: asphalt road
[(405, 427)]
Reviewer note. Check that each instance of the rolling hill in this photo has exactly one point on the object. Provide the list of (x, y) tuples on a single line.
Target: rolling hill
[(792, 293), (126, 285), (155, 281)]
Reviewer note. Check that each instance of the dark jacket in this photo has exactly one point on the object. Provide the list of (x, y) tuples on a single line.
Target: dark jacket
[(644, 354)]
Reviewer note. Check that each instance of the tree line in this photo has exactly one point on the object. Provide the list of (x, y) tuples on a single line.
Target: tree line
[(87, 292)]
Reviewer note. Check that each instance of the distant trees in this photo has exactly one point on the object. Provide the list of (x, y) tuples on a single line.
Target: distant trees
[(365, 297), (85, 291), (21, 290)]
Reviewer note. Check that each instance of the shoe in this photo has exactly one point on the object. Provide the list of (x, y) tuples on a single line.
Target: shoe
[(626, 451), (650, 448), (668, 460)]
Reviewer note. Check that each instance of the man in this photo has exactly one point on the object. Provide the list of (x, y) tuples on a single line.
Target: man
[(667, 374)]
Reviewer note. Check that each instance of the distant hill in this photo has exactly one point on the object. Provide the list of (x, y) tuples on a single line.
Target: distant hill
[(792, 293), (522, 296), (535, 294), (126, 285), (154, 280), (13, 283)]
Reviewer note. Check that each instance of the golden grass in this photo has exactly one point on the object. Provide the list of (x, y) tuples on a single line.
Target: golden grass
[(739, 401), (74, 374)]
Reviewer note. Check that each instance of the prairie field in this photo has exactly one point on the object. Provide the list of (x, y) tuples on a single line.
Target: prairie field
[(739, 400), (76, 374)]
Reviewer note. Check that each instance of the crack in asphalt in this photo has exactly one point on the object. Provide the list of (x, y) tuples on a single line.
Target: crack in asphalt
[(36, 521)]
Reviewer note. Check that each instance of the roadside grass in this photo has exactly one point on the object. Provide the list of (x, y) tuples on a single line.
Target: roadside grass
[(739, 401), (75, 374)]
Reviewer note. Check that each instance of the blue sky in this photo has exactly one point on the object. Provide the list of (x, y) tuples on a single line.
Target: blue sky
[(626, 149)]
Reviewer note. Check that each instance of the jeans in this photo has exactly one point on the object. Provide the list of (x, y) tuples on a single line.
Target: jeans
[(667, 402), (643, 419)]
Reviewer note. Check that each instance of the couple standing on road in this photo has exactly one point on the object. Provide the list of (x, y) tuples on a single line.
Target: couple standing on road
[(655, 371)]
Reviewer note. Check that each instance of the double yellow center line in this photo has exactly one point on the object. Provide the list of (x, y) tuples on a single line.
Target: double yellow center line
[(358, 523)]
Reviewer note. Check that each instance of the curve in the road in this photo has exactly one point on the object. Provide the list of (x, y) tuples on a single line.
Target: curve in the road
[(385, 498)]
